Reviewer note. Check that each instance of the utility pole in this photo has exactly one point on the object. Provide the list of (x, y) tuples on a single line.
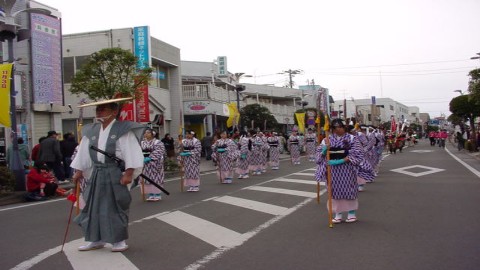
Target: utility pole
[(291, 74)]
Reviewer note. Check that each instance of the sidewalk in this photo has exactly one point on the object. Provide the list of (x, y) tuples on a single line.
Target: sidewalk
[(205, 166)]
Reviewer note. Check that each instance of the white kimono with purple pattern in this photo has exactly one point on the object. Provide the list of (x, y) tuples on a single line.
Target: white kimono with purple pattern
[(155, 150), (191, 164), (344, 176), (225, 160)]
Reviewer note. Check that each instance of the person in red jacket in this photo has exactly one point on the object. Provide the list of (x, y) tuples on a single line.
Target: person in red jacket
[(40, 181)]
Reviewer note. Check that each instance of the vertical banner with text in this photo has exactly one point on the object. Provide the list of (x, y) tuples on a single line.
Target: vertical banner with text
[(5, 78)]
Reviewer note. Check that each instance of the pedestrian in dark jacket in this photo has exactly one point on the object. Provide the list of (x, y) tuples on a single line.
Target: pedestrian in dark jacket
[(50, 154), (67, 147)]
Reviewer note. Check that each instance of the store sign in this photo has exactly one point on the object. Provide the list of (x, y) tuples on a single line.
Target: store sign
[(205, 107), (222, 65)]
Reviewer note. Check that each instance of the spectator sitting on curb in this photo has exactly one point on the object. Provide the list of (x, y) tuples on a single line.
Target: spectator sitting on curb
[(41, 182)]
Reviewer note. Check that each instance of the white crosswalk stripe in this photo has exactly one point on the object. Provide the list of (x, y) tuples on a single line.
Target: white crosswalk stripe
[(205, 230), (284, 191), (299, 181), (253, 205), (305, 174)]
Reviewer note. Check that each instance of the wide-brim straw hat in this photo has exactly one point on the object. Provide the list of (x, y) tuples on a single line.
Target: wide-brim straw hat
[(107, 101)]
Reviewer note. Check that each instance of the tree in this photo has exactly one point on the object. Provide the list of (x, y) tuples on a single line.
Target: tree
[(110, 73), (258, 114), (474, 85), (465, 107)]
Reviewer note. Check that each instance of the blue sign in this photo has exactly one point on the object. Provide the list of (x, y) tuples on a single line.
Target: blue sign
[(373, 100), (141, 46)]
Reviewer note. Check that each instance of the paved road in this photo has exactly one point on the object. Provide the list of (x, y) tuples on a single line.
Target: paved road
[(421, 213)]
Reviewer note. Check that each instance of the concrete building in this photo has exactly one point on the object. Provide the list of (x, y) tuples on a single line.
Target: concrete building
[(374, 112), (39, 98), (164, 89), (207, 91)]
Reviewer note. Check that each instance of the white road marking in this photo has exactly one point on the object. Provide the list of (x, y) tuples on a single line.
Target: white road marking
[(470, 168), (299, 181), (428, 170), (253, 205), (31, 204), (214, 234), (96, 259), (284, 191), (305, 174), (220, 251)]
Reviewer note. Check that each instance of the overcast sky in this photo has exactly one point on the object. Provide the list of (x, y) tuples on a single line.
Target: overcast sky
[(414, 51)]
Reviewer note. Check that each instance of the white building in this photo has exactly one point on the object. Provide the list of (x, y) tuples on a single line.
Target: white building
[(164, 90)]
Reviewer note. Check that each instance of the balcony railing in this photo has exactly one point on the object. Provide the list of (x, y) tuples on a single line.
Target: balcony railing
[(206, 92), (211, 92)]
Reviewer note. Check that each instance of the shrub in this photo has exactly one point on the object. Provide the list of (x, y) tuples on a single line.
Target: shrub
[(171, 165), (7, 180)]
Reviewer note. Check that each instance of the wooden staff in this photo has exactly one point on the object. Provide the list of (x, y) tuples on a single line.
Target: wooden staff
[(182, 172), (79, 139), (143, 189), (329, 173), (318, 140)]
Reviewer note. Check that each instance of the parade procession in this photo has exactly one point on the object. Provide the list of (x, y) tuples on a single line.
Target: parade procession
[(217, 135)]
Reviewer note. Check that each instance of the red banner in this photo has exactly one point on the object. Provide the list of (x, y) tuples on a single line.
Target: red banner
[(143, 110), (127, 113)]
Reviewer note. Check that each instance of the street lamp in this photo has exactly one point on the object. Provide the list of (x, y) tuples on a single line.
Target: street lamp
[(459, 91), (8, 31)]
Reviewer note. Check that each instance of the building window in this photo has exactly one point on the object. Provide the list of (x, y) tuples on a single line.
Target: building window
[(68, 69), (391, 107), (159, 77)]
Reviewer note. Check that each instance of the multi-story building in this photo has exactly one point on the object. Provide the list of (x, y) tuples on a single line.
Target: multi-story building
[(207, 91), (36, 54), (164, 89), (375, 111)]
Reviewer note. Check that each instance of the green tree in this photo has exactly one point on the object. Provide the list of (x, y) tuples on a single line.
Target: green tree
[(110, 73), (258, 114), (465, 107), (474, 86)]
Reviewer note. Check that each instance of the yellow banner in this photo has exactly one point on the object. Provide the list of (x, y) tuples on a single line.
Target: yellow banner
[(301, 122), (6, 75), (233, 115)]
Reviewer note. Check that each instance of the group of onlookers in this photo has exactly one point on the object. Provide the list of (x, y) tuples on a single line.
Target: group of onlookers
[(47, 165)]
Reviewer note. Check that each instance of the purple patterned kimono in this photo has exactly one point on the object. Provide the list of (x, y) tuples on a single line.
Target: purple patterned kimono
[(274, 143), (344, 176), (225, 160), (191, 164), (155, 150), (311, 145), (255, 157), (242, 165), (294, 146)]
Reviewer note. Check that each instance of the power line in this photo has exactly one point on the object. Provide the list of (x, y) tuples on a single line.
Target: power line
[(392, 65)]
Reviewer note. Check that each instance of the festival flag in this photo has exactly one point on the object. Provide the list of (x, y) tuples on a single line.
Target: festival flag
[(301, 122), (6, 75), (393, 125), (233, 115)]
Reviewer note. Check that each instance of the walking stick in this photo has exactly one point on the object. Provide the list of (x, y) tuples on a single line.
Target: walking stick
[(143, 190), (318, 183), (77, 198), (329, 173), (182, 174), (69, 221), (219, 166)]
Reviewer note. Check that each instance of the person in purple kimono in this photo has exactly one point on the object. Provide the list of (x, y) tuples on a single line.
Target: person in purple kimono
[(264, 156), (255, 158), (294, 146), (225, 153), (346, 155), (311, 144), (191, 150), (244, 147), (274, 143), (154, 154)]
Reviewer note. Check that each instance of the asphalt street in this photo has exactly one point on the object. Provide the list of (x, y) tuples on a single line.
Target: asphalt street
[(421, 213)]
